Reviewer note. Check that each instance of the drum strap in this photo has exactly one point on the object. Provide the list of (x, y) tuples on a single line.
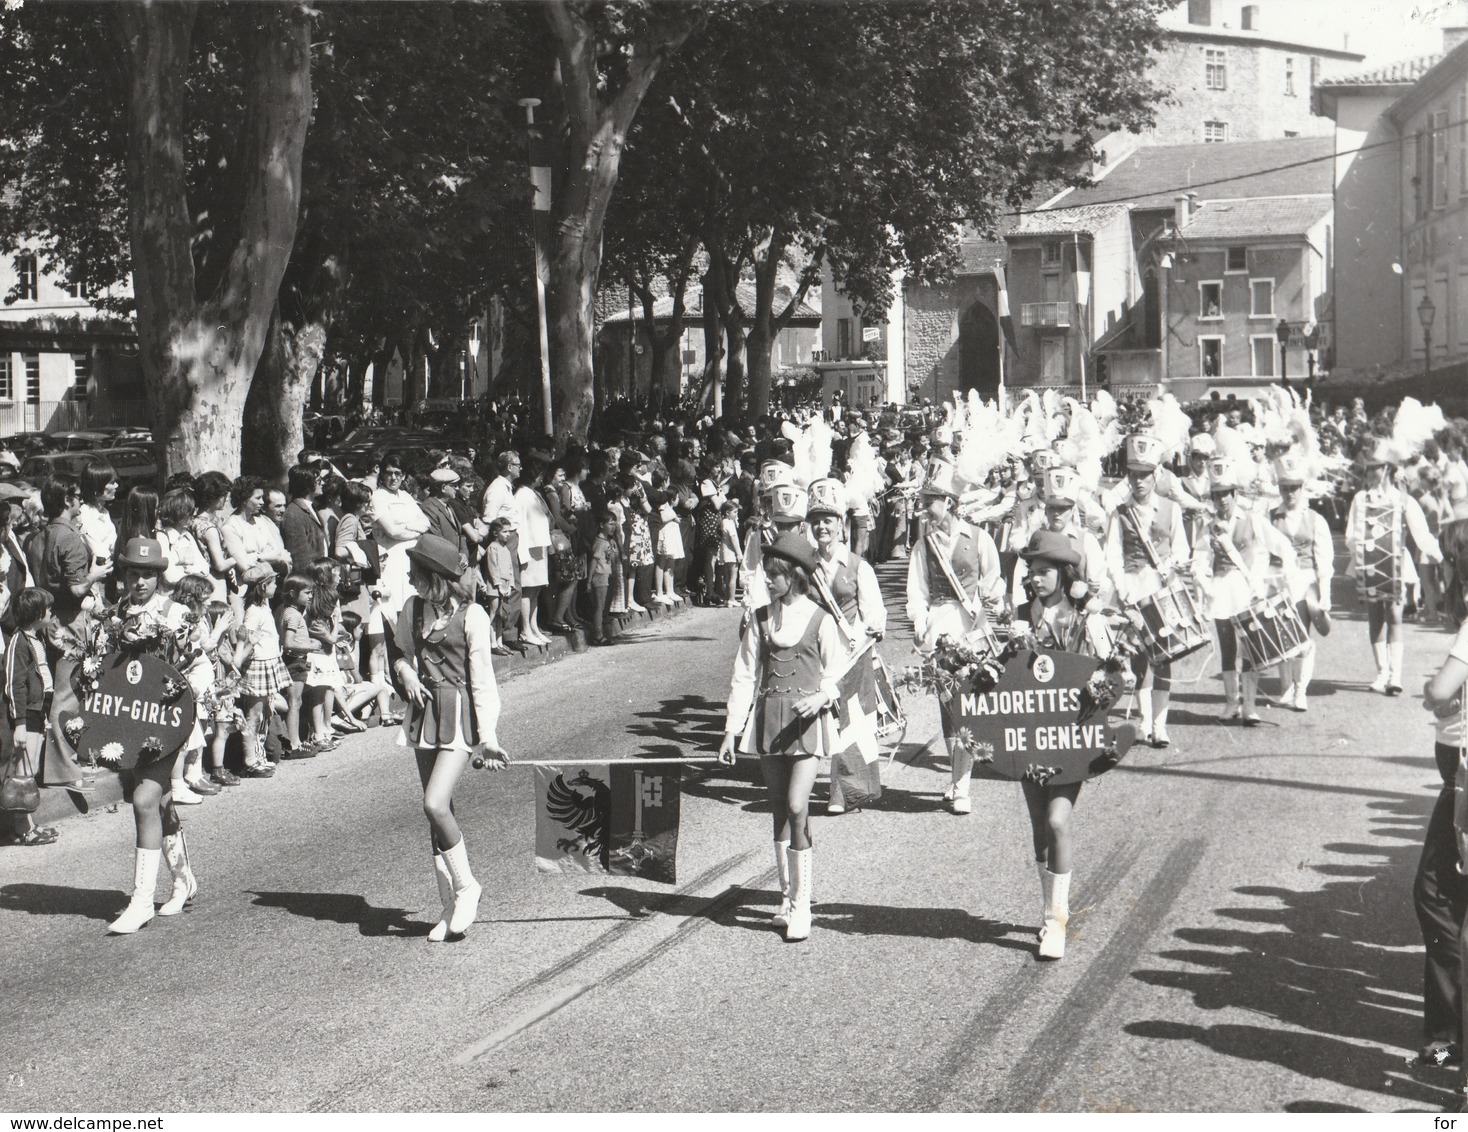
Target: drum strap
[(973, 608), (1130, 518), (828, 599)]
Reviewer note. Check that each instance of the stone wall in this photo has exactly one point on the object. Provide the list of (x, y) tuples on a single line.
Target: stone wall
[(931, 331)]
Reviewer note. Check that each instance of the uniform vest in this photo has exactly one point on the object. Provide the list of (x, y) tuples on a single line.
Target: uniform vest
[(963, 558), (1299, 528), (843, 589), (1242, 536), (1159, 534)]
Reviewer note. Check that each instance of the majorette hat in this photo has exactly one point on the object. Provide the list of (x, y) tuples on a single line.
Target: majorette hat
[(1221, 478), (1044, 459), (787, 503), (1143, 450), (1383, 452), (1289, 470), (1052, 546), (793, 547), (143, 554), (827, 497), (1062, 485), (775, 473), (941, 480), (1203, 445)]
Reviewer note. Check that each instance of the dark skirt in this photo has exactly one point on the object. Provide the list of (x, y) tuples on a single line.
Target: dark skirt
[(445, 721)]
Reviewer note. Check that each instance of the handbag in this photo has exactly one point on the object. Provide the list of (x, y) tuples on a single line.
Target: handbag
[(18, 793), (560, 543)]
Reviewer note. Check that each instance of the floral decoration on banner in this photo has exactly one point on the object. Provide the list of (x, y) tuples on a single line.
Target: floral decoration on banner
[(963, 741), (134, 634), (73, 729), (220, 702), (955, 668), (1040, 775), (1106, 685), (110, 753)]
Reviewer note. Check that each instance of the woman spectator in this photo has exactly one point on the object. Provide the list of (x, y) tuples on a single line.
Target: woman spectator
[(27, 685), (98, 483), (180, 546), (329, 503), (637, 553), (241, 535), (534, 523), (568, 563), (211, 497), (398, 523), (15, 574)]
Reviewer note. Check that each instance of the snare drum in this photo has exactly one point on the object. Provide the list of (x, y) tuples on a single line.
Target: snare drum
[(1173, 626), (891, 720), (1270, 631), (1378, 557)]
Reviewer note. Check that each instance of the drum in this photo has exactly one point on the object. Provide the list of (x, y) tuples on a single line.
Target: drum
[(1270, 631), (1172, 625), (1378, 557), (891, 720)]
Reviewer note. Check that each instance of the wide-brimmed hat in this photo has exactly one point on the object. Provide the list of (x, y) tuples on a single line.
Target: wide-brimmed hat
[(437, 555), (827, 497), (793, 547), (143, 554), (1052, 546)]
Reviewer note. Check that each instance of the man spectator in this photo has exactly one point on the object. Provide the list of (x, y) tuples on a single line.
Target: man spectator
[(499, 502), (267, 524), (302, 532), (440, 511)]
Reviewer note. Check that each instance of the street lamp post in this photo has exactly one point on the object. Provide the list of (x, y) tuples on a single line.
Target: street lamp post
[(1282, 332), (1312, 343), (1426, 312)]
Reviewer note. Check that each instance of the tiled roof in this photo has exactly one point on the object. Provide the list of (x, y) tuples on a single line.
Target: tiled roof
[(1403, 72), (1255, 218), (805, 314), (980, 255), (1151, 176), (1063, 221)]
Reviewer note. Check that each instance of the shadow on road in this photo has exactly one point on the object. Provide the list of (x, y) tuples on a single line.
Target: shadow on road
[(685, 725), (59, 900), (345, 908), (1333, 972)]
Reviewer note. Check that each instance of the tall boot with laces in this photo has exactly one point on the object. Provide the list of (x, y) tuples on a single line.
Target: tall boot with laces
[(466, 889), (140, 908), (185, 886), (1251, 699), (1232, 709), (782, 871), (798, 928), (1057, 915)]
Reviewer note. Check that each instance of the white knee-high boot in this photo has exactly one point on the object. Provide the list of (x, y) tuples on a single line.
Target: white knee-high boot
[(782, 870), (1304, 673), (140, 908), (1289, 675), (466, 889), (1231, 707), (958, 790), (1057, 915), (1395, 649), (176, 853), (1250, 685), (800, 880), (1144, 712), (440, 931), (1160, 738), (1383, 666)]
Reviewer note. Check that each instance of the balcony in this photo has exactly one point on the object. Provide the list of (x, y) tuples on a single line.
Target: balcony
[(1044, 314)]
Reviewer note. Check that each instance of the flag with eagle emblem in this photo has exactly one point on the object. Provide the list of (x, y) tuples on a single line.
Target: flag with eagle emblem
[(620, 819)]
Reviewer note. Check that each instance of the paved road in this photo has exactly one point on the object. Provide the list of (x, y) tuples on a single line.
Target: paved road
[(1242, 939)]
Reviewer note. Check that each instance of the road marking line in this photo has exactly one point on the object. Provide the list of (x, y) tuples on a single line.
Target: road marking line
[(520, 1022)]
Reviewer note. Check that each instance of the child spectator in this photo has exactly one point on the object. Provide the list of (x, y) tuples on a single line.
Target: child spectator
[(499, 569), (257, 657), (295, 646), (324, 675), (728, 553), (603, 558)]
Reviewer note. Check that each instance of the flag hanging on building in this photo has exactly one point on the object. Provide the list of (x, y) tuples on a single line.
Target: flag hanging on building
[(1006, 320), (572, 804), (620, 819), (643, 830)]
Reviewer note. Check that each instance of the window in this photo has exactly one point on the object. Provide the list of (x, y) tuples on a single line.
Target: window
[(1262, 347), (1052, 359), (1050, 254), (843, 338), (1210, 357), (25, 270), (1215, 131), (1215, 69), (1238, 259), (1261, 298), (1290, 76), (1440, 159), (6, 393), (1210, 300), (77, 290), (81, 374), (32, 378), (1418, 178)]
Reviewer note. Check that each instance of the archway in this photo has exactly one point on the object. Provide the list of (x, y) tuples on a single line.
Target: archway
[(978, 351)]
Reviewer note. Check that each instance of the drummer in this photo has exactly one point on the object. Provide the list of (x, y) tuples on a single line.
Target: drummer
[(953, 588), (846, 586), (1380, 518), (1231, 564), (1145, 545), (1201, 449), (1062, 493), (1309, 577), (781, 506)]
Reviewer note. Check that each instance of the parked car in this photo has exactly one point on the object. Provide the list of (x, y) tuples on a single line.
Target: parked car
[(78, 441), (133, 467), (30, 443), (128, 437)]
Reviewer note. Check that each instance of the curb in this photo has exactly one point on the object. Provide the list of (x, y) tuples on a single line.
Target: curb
[(59, 803)]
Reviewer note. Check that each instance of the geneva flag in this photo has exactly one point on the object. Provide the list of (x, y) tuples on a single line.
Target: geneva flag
[(620, 819)]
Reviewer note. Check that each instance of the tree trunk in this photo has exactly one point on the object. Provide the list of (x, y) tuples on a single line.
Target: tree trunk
[(277, 401), (198, 357), (713, 352), (759, 345), (598, 125)]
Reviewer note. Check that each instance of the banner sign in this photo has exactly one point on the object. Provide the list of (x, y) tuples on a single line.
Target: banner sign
[(1044, 719), (135, 703), (618, 818)]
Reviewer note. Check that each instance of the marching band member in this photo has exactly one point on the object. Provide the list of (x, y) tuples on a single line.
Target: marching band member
[(1053, 619), (782, 505), (1379, 518), (1201, 449), (953, 579), (444, 665), (1309, 577), (847, 586), (1062, 493), (1145, 543), (790, 656), (1230, 563)]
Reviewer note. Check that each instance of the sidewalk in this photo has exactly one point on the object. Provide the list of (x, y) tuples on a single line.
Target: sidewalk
[(59, 803)]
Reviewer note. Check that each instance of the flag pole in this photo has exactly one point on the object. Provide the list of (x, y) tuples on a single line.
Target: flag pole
[(540, 183), (615, 762)]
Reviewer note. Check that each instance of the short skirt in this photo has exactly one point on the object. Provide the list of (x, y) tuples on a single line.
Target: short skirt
[(445, 722), (264, 678), (670, 541), (777, 729), (1229, 595)]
